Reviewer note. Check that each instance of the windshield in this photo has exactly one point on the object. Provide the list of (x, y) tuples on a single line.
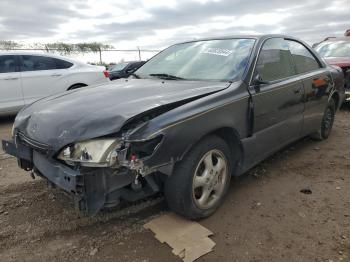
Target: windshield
[(202, 60), (118, 67), (334, 49)]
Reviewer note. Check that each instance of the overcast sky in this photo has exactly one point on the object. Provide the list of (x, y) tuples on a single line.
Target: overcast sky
[(157, 24)]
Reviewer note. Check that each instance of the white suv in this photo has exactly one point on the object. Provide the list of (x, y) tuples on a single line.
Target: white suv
[(27, 77)]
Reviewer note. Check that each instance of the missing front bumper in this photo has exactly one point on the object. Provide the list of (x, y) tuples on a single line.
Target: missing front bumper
[(91, 188)]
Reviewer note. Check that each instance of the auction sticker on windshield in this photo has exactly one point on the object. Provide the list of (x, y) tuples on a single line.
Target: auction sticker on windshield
[(218, 51)]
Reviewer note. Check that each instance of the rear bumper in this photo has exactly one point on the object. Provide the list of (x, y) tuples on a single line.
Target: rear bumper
[(91, 188)]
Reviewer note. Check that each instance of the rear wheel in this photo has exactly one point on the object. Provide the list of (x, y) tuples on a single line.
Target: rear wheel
[(201, 180), (327, 122)]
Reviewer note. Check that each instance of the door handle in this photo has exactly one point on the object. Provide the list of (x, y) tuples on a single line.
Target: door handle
[(56, 75), (11, 78)]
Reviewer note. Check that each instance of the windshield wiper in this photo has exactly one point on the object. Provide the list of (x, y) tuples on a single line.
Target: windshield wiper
[(167, 76)]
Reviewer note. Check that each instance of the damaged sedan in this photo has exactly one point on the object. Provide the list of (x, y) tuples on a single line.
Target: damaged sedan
[(194, 115)]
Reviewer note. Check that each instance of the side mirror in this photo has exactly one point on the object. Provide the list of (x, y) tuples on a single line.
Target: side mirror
[(257, 80), (130, 71)]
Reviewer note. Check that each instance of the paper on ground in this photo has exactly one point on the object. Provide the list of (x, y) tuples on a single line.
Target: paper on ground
[(188, 239)]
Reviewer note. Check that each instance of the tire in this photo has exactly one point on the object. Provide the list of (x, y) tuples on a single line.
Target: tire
[(198, 173), (76, 86), (327, 122)]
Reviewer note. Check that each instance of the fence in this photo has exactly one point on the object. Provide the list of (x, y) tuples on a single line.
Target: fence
[(100, 57)]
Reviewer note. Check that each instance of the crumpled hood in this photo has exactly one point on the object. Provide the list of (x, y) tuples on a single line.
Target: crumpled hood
[(101, 110)]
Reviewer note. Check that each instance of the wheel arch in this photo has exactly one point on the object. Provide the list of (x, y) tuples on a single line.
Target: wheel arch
[(232, 138), (76, 85)]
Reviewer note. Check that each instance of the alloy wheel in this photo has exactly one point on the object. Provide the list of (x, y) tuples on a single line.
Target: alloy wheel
[(209, 179)]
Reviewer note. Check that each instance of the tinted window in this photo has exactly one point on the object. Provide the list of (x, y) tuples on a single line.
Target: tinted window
[(275, 60), (134, 66), (37, 63), (118, 67), (303, 59), (7, 64), (61, 64)]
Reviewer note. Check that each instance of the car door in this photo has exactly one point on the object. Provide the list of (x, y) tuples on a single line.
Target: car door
[(11, 98), (41, 77), (277, 95), (317, 82)]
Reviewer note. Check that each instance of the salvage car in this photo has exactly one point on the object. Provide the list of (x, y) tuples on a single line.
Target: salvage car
[(336, 51), (194, 115), (26, 77), (124, 70)]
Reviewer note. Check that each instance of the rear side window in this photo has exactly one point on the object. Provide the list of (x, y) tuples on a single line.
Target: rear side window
[(275, 60), (39, 63), (7, 64), (61, 64), (303, 58)]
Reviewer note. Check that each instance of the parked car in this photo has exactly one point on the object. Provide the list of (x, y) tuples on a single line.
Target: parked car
[(336, 51), (347, 32), (27, 77), (194, 115), (124, 69)]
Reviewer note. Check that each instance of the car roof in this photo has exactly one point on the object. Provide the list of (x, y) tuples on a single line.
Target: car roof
[(125, 62), (257, 37), (336, 39), (20, 52)]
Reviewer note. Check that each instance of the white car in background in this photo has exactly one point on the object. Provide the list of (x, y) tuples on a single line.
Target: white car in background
[(27, 77)]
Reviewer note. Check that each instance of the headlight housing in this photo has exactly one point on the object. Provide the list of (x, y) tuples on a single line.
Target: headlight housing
[(100, 152)]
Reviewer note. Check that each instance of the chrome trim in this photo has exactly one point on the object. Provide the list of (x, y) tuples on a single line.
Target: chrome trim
[(32, 143)]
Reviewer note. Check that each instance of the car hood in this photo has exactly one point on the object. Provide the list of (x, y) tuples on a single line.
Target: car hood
[(102, 110), (339, 61)]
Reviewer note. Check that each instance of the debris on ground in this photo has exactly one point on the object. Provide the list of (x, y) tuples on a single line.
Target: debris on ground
[(188, 239), (93, 252), (4, 156), (306, 191)]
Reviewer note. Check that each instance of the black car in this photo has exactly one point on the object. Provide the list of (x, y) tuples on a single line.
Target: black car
[(194, 115), (124, 69)]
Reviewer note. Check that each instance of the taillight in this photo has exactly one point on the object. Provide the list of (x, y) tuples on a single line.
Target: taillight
[(106, 73)]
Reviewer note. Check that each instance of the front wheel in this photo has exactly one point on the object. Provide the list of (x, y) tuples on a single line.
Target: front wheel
[(327, 122), (201, 180)]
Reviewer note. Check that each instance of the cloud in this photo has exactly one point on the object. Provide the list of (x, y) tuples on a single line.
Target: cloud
[(24, 19), (147, 23)]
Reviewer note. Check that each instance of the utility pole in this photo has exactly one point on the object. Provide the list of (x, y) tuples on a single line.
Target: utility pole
[(138, 48), (99, 49)]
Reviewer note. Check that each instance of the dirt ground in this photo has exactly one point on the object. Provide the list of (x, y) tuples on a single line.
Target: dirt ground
[(264, 218)]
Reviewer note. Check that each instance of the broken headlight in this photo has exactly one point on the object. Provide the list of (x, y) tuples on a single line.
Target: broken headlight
[(101, 152)]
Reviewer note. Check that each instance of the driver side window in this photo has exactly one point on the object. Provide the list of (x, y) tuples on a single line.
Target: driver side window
[(275, 61)]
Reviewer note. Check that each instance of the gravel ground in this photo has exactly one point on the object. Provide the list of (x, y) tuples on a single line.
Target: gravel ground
[(264, 218)]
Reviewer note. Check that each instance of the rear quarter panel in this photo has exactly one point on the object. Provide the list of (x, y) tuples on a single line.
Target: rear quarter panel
[(86, 75)]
